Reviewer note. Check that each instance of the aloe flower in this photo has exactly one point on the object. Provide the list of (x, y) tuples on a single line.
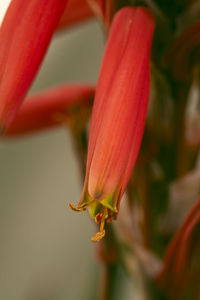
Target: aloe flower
[(118, 116), (25, 33), (48, 108)]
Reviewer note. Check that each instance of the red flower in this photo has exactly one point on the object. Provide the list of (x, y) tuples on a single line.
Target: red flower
[(25, 34), (119, 113), (44, 110)]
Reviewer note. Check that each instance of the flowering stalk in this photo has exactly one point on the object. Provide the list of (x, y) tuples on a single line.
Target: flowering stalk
[(47, 109), (118, 116), (25, 34)]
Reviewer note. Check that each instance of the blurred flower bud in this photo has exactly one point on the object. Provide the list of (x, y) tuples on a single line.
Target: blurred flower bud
[(47, 109), (25, 34), (178, 264)]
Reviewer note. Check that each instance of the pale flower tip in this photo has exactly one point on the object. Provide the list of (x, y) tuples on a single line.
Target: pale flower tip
[(76, 208), (98, 236)]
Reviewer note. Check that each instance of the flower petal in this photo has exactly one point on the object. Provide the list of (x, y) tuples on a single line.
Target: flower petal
[(25, 34), (119, 113), (42, 110), (121, 101)]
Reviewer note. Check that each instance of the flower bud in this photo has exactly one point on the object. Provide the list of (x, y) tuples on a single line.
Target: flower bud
[(25, 34), (48, 108), (119, 113)]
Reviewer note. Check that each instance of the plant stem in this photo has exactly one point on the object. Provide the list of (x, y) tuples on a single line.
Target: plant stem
[(181, 153), (111, 282)]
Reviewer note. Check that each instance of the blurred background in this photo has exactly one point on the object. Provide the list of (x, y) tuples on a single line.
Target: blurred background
[(45, 248)]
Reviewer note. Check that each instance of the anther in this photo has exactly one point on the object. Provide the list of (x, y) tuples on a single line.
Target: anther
[(76, 208), (98, 236)]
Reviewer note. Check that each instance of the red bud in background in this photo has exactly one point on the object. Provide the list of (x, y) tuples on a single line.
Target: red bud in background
[(42, 110), (25, 34), (176, 272)]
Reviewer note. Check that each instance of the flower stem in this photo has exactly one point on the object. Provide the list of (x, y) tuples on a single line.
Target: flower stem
[(111, 280), (181, 155)]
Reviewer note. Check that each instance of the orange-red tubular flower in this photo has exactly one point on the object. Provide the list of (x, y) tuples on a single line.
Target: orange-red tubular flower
[(45, 109), (25, 34), (76, 11), (119, 113)]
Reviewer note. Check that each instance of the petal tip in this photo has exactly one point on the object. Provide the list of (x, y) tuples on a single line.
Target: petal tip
[(76, 208)]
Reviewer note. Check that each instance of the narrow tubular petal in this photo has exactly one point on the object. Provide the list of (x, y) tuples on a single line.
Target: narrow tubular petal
[(25, 34), (42, 110), (76, 11), (121, 102)]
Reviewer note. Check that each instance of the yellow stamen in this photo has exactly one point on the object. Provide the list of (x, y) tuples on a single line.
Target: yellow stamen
[(102, 223), (98, 236), (100, 218), (76, 208)]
